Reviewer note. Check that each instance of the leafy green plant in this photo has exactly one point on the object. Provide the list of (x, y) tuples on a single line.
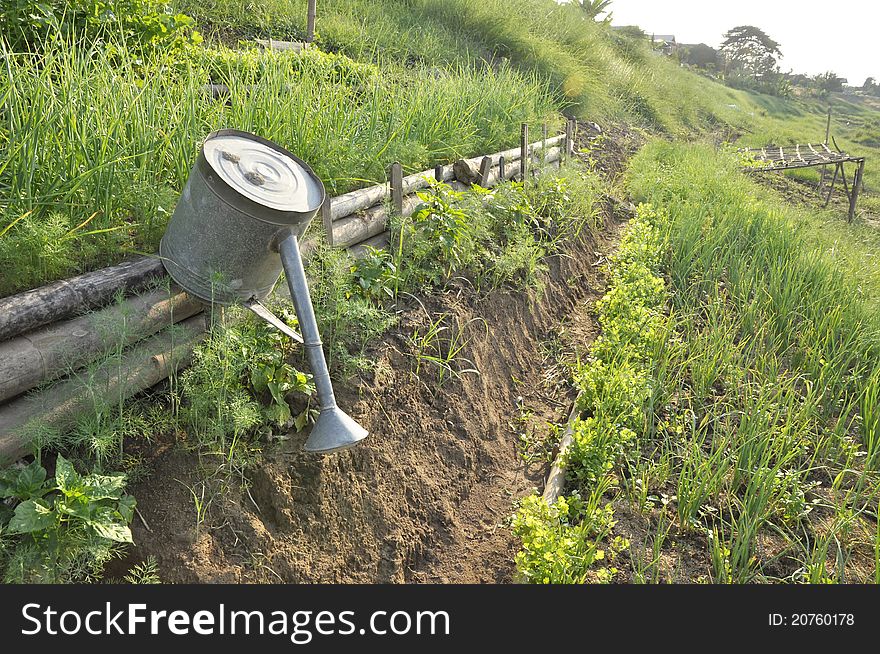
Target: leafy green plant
[(66, 527), (438, 221), (561, 542), (376, 274), (141, 25), (239, 381), (145, 572)]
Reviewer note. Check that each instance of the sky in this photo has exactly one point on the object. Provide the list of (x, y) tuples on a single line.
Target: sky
[(815, 37)]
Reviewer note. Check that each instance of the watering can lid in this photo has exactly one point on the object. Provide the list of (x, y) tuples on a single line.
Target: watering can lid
[(263, 172)]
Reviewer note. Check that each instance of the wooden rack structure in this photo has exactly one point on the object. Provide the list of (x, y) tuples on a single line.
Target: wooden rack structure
[(811, 155)]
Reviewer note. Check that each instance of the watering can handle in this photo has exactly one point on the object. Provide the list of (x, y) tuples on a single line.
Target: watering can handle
[(254, 305)]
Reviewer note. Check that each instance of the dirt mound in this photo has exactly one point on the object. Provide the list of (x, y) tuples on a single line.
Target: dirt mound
[(427, 496)]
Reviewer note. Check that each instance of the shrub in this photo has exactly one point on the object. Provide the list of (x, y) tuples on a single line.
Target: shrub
[(144, 26)]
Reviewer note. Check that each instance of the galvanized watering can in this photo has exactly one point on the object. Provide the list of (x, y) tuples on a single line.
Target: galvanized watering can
[(245, 206)]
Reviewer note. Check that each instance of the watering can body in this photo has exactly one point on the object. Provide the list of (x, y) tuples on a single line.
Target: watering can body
[(222, 242)]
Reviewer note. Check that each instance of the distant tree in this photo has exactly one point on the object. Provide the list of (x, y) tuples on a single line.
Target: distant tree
[(829, 82), (749, 50), (799, 79), (701, 56), (592, 8), (871, 87)]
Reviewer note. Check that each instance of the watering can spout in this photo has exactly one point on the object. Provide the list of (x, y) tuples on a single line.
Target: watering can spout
[(334, 430)]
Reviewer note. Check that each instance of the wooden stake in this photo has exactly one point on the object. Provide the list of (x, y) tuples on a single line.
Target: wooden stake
[(501, 170), (827, 136), (543, 141), (524, 152), (831, 188), (485, 169), (828, 127), (438, 173), (327, 219), (312, 17), (854, 198), (397, 188)]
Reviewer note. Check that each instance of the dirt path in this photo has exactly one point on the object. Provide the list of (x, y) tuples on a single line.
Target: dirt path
[(481, 545)]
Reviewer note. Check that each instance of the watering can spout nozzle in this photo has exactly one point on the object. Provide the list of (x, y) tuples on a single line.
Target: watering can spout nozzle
[(334, 430)]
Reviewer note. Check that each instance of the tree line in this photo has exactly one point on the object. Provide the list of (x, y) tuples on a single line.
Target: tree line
[(748, 58)]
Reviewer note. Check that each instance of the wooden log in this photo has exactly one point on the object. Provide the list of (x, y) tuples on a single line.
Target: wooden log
[(310, 21), (288, 46), (354, 201), (59, 300), (58, 406), (360, 199), (51, 351), (379, 241), (351, 230), (553, 155)]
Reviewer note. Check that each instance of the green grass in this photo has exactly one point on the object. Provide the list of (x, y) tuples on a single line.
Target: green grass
[(92, 177)]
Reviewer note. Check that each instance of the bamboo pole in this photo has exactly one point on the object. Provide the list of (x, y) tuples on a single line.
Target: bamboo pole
[(58, 406), (379, 241), (59, 300), (49, 352)]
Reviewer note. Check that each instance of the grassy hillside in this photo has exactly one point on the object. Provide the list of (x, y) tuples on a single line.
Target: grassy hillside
[(91, 177)]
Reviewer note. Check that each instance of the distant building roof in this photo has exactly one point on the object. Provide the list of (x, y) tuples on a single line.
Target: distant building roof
[(668, 38)]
